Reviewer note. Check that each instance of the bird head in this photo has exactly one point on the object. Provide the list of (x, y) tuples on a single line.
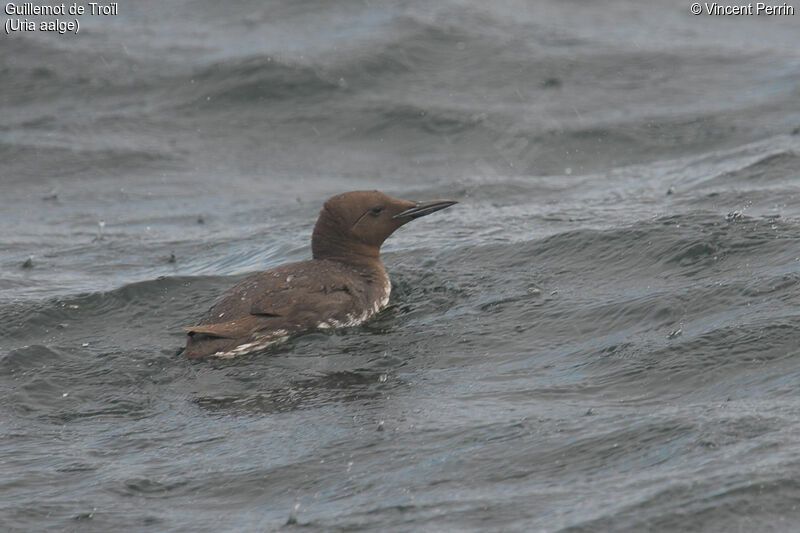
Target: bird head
[(357, 223)]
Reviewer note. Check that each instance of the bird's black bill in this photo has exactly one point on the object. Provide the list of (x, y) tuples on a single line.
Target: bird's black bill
[(424, 208)]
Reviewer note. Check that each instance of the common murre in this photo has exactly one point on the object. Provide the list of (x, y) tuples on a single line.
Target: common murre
[(342, 285)]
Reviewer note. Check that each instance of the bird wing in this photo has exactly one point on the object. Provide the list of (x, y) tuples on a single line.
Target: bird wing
[(233, 329), (297, 296), (300, 294)]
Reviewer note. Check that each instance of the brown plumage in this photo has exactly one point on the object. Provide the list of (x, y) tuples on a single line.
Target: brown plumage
[(343, 285)]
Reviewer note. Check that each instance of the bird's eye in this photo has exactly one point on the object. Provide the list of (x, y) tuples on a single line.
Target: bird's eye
[(375, 211)]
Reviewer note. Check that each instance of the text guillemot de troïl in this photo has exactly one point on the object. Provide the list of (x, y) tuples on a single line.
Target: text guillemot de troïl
[(29, 8)]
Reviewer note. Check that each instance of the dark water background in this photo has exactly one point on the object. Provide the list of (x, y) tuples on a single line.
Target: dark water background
[(602, 335)]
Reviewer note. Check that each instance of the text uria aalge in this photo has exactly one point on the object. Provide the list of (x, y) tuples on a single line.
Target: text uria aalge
[(757, 8)]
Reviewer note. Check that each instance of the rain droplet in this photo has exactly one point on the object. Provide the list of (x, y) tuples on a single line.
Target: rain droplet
[(675, 333), (293, 514)]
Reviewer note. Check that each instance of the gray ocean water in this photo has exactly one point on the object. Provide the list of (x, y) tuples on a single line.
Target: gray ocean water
[(601, 336)]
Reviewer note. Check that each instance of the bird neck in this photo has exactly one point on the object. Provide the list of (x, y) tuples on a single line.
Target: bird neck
[(330, 241)]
